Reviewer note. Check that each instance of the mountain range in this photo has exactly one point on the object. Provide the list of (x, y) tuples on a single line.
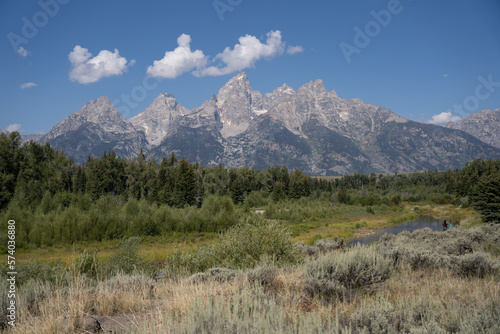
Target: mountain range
[(309, 129), (484, 125)]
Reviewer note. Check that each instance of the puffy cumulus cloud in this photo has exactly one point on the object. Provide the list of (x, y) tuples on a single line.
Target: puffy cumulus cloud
[(444, 118), (13, 127), (291, 50), (22, 52), (179, 61), (28, 85), (86, 69), (245, 54)]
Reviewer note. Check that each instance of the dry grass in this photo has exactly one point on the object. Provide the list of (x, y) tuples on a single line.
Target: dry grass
[(127, 302)]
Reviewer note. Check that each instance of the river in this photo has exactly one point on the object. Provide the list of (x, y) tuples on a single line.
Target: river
[(410, 226)]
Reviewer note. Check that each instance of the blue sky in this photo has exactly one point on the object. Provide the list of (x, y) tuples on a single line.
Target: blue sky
[(420, 58)]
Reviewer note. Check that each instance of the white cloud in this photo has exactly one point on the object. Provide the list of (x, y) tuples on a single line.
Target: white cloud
[(22, 52), (291, 50), (13, 127), (446, 75), (28, 85), (245, 54), (444, 118), (87, 70), (179, 61)]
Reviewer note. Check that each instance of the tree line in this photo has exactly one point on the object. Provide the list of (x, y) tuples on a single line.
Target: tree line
[(30, 171)]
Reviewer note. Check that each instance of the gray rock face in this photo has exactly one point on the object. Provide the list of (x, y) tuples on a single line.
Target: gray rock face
[(282, 94), (97, 127), (309, 129), (157, 118), (99, 112), (32, 137), (234, 102), (257, 101), (484, 126), (195, 136)]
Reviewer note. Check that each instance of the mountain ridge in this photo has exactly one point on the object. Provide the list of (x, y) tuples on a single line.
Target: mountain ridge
[(484, 125), (308, 128)]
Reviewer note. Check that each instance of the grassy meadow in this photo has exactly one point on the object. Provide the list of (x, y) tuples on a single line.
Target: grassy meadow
[(285, 270)]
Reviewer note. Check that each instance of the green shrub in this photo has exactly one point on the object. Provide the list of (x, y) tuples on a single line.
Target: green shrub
[(248, 311), (245, 245), (305, 249), (329, 245), (213, 275), (477, 264), (44, 272), (127, 258), (242, 246), (263, 275), (483, 320), (87, 263), (460, 250), (375, 319), (257, 199), (441, 198), (336, 273)]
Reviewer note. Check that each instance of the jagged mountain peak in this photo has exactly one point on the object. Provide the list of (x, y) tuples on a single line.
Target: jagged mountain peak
[(164, 99), (96, 127), (237, 87), (100, 112), (279, 95), (241, 76), (234, 100), (157, 118), (102, 99), (285, 89), (314, 88), (484, 125), (95, 108)]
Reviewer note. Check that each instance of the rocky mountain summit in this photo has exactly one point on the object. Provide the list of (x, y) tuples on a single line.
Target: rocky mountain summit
[(310, 128), (155, 121), (484, 125), (97, 127)]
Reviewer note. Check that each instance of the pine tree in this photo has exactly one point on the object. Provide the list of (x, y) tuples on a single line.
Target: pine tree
[(236, 186), (278, 193), (10, 159), (185, 184), (79, 180), (300, 185), (487, 198), (173, 160)]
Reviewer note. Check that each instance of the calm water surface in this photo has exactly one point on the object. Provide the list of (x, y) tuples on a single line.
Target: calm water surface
[(421, 222)]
